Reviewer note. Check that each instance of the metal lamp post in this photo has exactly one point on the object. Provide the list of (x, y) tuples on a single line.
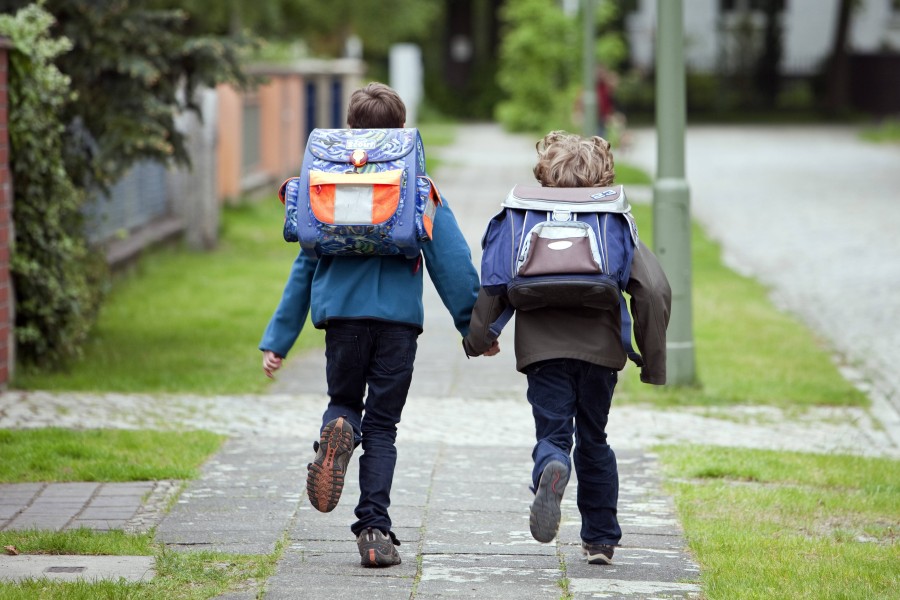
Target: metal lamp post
[(671, 195), (589, 94)]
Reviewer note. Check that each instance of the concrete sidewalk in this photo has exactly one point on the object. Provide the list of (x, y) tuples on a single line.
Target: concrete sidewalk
[(460, 498)]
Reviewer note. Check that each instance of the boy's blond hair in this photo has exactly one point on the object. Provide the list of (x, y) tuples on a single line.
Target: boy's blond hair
[(376, 106), (569, 160)]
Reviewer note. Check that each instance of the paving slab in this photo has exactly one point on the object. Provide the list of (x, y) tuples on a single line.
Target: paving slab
[(74, 568), (243, 501), (489, 576), (626, 589), (101, 506)]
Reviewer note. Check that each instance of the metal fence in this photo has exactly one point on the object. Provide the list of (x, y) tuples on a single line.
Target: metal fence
[(134, 201)]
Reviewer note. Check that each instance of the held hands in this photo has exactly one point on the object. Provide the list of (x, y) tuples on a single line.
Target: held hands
[(493, 350), (271, 363)]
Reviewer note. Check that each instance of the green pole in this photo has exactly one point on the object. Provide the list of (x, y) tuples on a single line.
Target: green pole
[(671, 196), (589, 94)]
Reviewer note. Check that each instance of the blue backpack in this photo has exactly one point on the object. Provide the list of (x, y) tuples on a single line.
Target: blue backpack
[(563, 248), (361, 192)]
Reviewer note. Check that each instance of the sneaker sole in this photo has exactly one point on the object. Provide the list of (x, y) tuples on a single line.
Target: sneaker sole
[(597, 559), (545, 510), (325, 479), (375, 560)]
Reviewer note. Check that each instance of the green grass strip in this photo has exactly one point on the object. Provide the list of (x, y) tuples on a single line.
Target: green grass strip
[(80, 541), (766, 524), (110, 455)]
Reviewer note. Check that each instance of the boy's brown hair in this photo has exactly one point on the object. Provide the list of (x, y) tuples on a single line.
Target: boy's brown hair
[(569, 160), (376, 106)]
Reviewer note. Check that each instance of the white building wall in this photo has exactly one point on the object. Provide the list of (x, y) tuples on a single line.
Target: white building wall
[(875, 27), (808, 35), (701, 41), (809, 32)]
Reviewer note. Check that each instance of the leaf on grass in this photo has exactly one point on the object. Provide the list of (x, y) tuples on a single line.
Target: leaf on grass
[(11, 550)]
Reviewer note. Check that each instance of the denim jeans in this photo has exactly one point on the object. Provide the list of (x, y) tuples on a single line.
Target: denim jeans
[(380, 355), (572, 397)]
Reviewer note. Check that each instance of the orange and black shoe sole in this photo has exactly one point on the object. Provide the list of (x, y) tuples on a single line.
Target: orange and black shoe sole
[(325, 479)]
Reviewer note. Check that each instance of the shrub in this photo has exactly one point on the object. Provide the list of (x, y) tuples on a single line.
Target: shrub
[(51, 265), (538, 68)]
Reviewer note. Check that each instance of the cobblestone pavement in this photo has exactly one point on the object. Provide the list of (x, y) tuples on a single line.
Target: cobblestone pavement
[(460, 498)]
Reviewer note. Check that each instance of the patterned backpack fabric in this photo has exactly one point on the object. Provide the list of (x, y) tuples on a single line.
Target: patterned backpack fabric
[(361, 192), (563, 248)]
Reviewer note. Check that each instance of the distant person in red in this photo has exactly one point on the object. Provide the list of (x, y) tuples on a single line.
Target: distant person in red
[(606, 82)]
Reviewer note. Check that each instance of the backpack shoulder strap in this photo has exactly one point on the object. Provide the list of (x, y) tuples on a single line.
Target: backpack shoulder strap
[(626, 333), (497, 326)]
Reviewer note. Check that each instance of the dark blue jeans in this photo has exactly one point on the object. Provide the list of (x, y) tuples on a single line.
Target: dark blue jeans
[(572, 397), (380, 355)]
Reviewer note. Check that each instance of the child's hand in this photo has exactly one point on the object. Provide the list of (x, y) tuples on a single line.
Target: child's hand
[(493, 350), (271, 363)]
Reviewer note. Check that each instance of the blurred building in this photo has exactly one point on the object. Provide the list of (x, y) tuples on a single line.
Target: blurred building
[(721, 33)]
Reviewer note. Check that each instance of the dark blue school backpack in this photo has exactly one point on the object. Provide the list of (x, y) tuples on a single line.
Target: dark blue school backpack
[(361, 192), (563, 248)]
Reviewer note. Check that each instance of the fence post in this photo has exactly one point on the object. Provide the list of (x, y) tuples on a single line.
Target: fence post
[(7, 298), (192, 192)]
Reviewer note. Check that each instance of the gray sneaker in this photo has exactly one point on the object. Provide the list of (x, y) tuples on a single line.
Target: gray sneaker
[(325, 477), (545, 511), (598, 554), (376, 549)]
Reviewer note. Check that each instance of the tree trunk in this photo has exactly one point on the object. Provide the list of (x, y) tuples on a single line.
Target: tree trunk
[(837, 74)]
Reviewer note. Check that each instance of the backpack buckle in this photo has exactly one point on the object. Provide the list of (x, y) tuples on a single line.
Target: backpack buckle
[(561, 214)]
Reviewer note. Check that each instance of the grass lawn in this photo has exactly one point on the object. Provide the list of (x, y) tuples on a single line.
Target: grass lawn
[(189, 322), (54, 454), (765, 524), (885, 132)]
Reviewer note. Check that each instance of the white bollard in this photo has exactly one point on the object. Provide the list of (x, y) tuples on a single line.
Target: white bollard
[(406, 74)]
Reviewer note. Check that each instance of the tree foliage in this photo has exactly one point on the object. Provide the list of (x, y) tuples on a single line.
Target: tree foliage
[(540, 61), (132, 68), (95, 85), (538, 68), (50, 265), (323, 26)]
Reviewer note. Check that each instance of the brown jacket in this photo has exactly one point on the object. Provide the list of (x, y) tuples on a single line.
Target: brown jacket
[(589, 335)]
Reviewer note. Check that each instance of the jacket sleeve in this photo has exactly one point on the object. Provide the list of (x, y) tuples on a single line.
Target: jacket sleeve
[(651, 303), (290, 316), (449, 264), (487, 309)]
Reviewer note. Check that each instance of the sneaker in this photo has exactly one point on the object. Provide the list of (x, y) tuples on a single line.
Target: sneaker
[(376, 549), (545, 511), (598, 554), (325, 479)]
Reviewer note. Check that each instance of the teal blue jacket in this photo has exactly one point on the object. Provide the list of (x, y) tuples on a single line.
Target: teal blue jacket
[(386, 288)]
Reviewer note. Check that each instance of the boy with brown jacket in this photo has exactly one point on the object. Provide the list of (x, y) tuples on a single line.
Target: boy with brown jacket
[(572, 359)]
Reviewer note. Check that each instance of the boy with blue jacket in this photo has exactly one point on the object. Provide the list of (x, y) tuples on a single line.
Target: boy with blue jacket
[(371, 310)]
